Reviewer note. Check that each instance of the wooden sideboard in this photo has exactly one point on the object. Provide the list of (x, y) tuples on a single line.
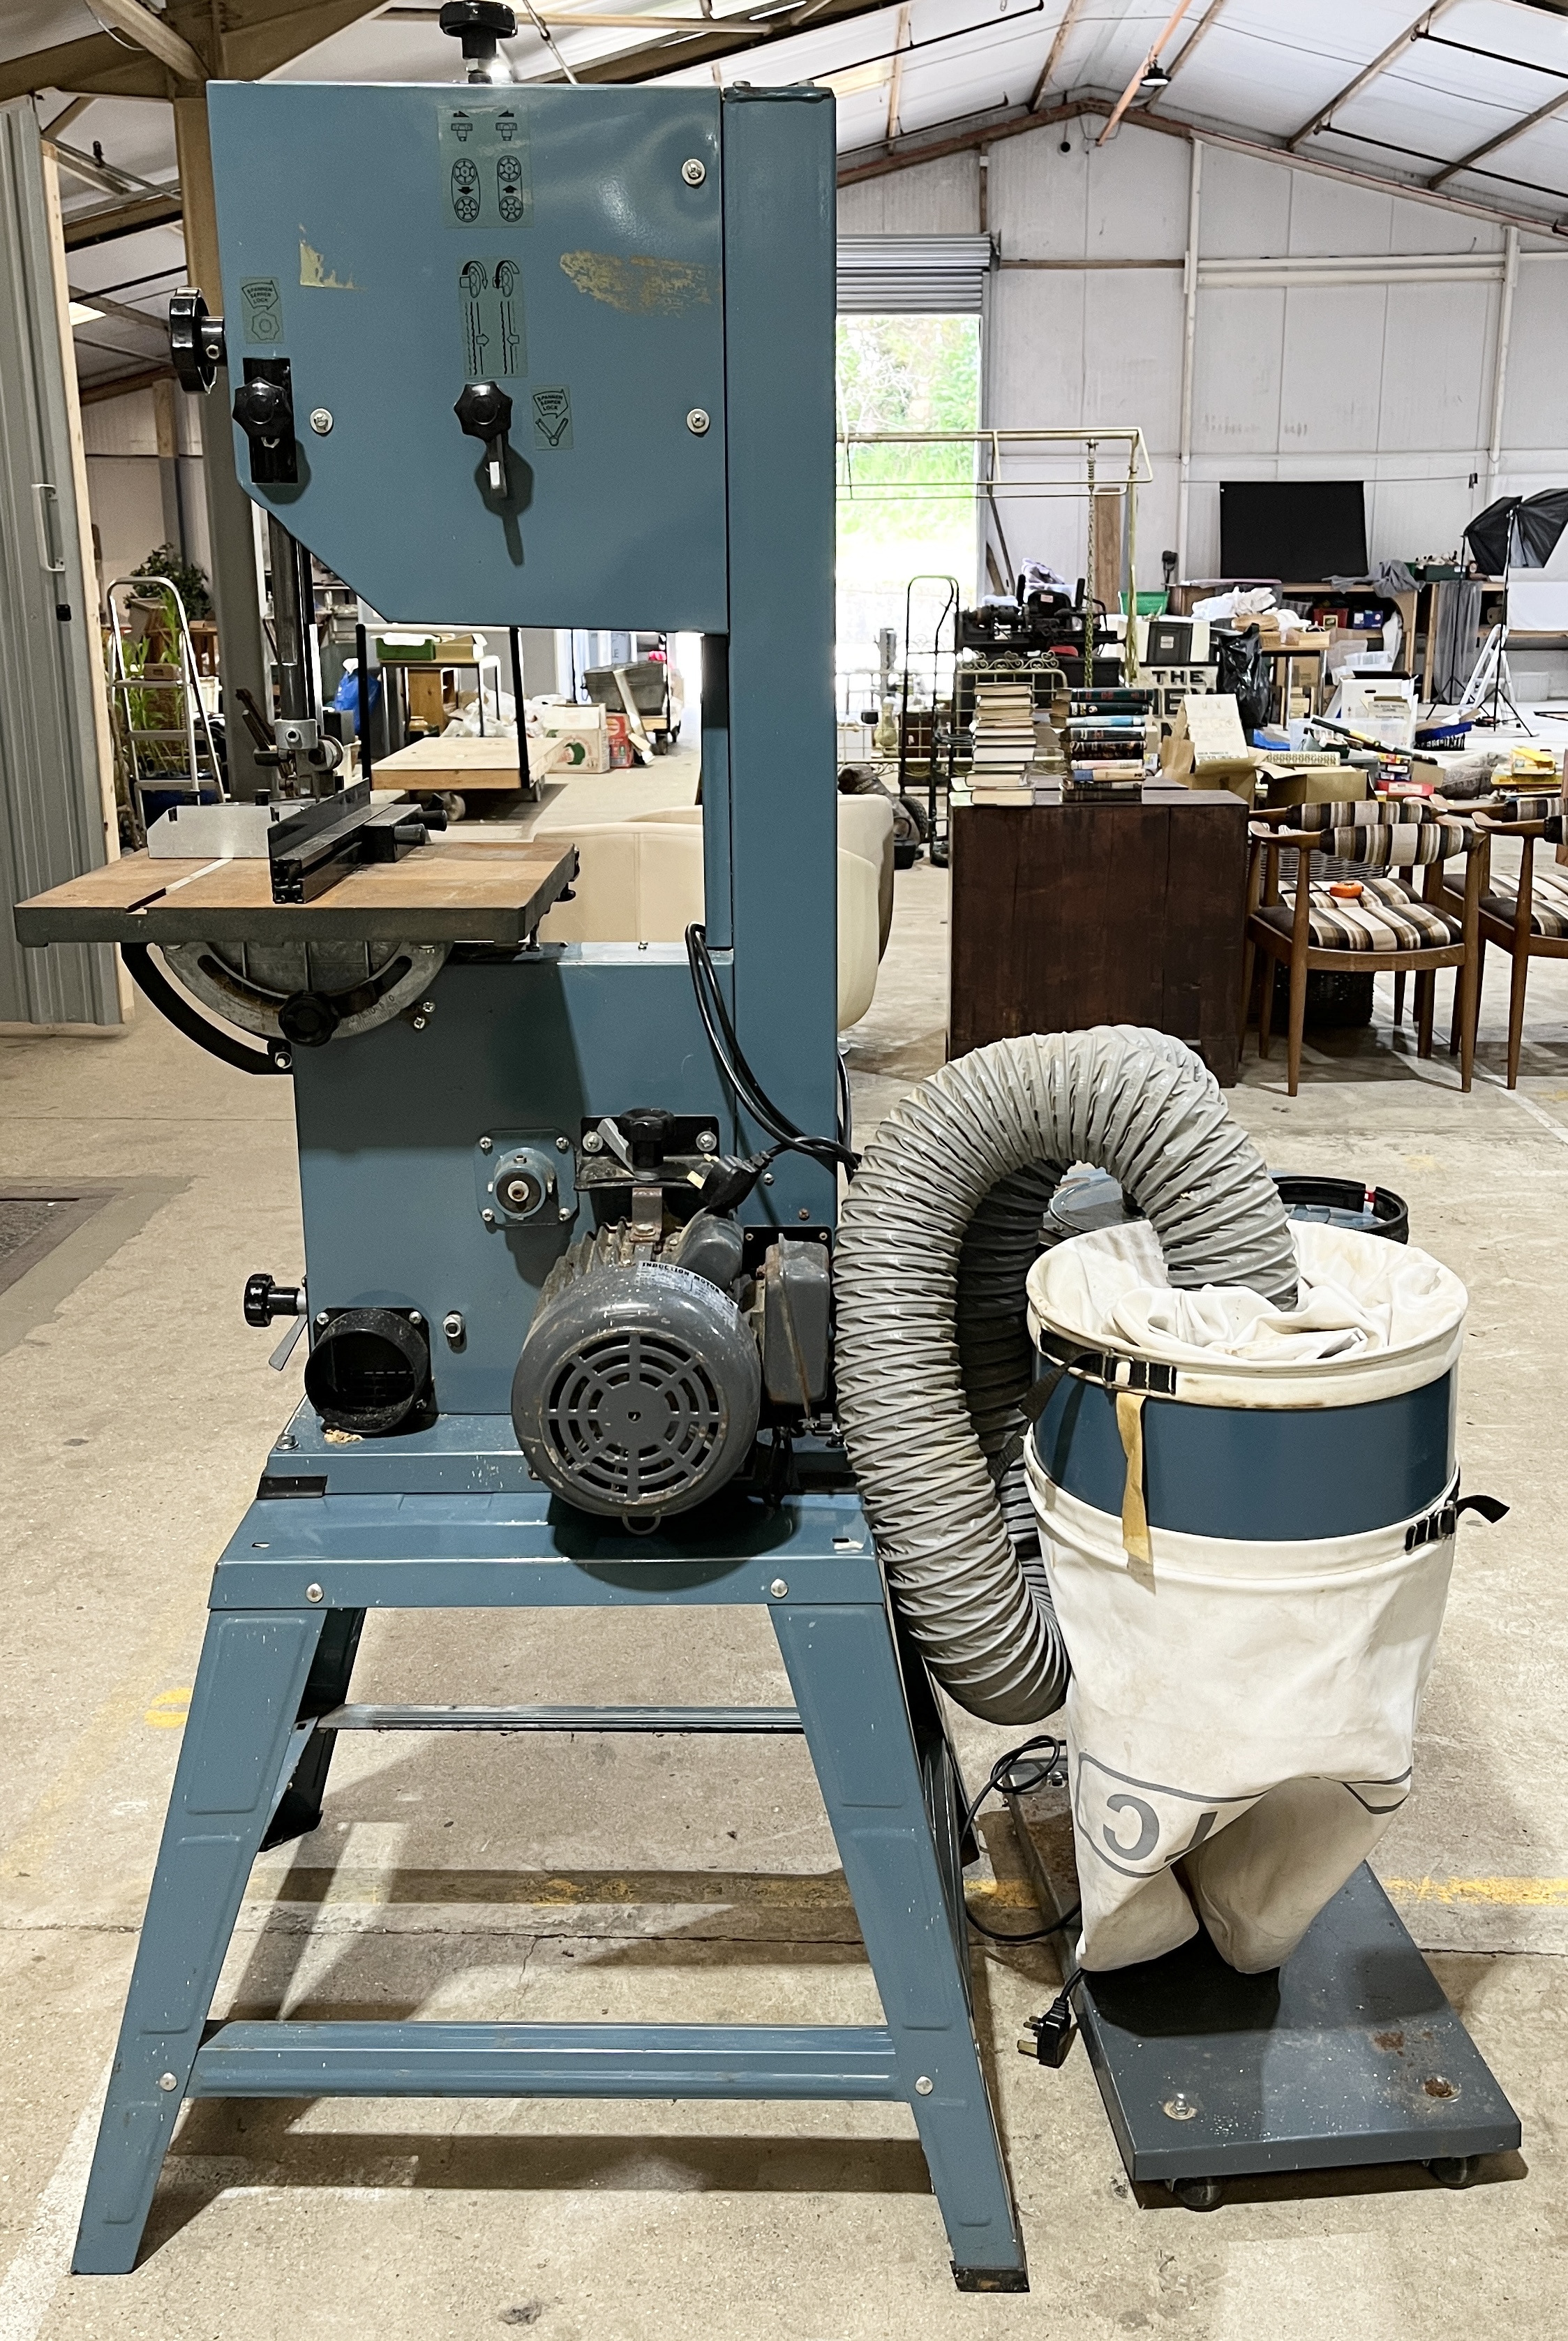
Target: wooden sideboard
[(1065, 916)]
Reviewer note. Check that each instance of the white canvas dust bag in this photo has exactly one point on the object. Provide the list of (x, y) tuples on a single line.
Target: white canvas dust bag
[(1248, 1517)]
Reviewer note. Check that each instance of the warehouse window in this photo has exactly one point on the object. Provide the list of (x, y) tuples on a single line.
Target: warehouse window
[(904, 510)]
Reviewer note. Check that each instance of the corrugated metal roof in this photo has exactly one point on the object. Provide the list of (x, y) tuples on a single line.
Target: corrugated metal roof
[(1456, 77)]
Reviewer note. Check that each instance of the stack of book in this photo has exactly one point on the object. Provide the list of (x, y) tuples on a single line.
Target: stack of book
[(1004, 743), (1109, 736)]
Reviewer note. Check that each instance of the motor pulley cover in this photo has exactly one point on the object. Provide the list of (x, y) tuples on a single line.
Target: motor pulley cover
[(639, 1384)]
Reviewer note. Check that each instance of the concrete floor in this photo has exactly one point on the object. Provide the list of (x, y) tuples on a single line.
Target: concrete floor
[(692, 1882)]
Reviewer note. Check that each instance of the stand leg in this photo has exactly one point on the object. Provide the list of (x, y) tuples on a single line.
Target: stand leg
[(253, 1672), (844, 1676), (299, 1808)]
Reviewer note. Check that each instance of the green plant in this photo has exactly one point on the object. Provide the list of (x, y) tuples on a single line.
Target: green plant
[(907, 506), (189, 581)]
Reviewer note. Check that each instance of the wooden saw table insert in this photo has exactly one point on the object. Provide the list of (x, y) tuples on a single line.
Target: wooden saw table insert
[(437, 894)]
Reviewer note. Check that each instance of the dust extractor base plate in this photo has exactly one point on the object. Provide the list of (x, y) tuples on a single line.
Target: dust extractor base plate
[(1348, 2055)]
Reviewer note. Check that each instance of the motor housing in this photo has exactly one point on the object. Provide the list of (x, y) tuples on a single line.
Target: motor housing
[(639, 1384)]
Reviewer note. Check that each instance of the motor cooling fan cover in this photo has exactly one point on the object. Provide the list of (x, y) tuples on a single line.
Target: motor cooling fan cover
[(638, 1390)]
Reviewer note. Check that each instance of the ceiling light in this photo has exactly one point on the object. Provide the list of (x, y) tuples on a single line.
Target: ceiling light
[(81, 314), (1156, 78)]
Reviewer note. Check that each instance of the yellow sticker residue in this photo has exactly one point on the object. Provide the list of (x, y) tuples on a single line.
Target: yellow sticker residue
[(315, 274), (639, 284)]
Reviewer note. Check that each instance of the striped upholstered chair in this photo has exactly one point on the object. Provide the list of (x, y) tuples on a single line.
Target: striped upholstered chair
[(1387, 928), (1525, 915)]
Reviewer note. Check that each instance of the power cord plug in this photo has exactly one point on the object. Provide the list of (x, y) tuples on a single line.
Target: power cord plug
[(1048, 2037)]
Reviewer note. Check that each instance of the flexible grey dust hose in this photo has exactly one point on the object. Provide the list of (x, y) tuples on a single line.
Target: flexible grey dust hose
[(937, 1234)]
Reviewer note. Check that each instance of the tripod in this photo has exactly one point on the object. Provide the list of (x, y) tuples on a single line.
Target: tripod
[(1491, 675)]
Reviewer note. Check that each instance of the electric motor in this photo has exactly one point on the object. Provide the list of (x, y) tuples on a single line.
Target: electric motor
[(639, 1384)]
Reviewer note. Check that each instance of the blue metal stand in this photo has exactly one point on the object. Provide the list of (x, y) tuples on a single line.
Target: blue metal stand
[(287, 1603)]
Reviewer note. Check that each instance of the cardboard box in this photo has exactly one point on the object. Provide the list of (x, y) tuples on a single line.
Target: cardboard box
[(1208, 748), (1319, 784), (581, 731)]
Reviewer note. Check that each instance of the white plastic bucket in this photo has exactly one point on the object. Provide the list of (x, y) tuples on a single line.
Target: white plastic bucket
[(1248, 1519)]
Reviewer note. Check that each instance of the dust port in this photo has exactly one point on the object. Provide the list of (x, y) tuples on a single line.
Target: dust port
[(368, 1372)]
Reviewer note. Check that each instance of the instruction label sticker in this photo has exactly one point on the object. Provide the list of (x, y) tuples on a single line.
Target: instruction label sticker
[(489, 303), (552, 417), (262, 307), (485, 180)]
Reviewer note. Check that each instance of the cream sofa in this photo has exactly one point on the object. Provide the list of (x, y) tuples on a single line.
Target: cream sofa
[(641, 881)]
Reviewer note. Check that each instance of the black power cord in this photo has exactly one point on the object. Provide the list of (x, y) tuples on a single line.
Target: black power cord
[(1006, 1779), (830, 1153)]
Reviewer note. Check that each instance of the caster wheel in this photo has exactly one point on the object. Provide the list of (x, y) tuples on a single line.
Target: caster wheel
[(1198, 2194), (1453, 2170)]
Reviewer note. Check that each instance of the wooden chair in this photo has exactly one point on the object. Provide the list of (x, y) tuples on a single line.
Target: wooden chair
[(1390, 929), (1526, 916)]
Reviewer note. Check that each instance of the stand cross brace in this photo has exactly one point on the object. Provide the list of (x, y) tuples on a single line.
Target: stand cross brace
[(269, 1698)]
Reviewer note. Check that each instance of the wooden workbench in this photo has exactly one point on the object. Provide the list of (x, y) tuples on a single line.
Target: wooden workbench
[(441, 893), (1065, 916)]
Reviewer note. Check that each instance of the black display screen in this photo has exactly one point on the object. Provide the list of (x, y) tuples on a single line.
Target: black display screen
[(1299, 531)]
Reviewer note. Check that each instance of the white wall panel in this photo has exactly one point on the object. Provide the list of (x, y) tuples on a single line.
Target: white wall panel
[(1409, 516), (1038, 204), (1085, 345), (1389, 383), (937, 199), (1237, 374), (1137, 197), (1330, 369), (1246, 205), (1326, 217), (1037, 348), (1536, 412), (126, 505), (1439, 348), (1427, 227), (120, 426)]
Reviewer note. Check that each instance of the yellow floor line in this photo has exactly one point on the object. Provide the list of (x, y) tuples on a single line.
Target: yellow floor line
[(1506, 1893), (97, 1743)]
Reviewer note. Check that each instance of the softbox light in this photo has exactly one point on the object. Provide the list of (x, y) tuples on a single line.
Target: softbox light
[(1518, 532)]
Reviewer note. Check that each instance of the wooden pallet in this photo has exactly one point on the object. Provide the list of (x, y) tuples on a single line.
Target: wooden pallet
[(460, 765)]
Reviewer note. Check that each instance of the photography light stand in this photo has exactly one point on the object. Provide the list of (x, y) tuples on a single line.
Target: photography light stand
[(1491, 675)]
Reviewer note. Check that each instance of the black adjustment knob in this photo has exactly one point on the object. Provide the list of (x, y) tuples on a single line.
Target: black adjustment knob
[(479, 25), (648, 1131), (484, 411), (196, 342), (264, 1299), (264, 410), (308, 1019)]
